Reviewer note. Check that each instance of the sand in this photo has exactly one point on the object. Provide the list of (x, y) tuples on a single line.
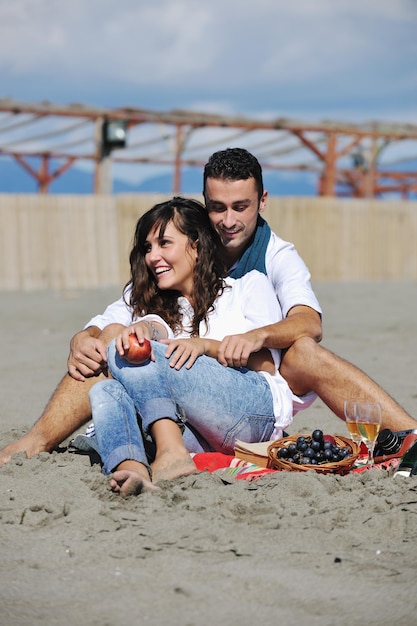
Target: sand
[(286, 549)]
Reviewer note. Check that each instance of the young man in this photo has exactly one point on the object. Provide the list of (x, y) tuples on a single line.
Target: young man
[(235, 197)]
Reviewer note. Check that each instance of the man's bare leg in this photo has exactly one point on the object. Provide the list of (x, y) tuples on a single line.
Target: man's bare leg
[(307, 366), (67, 410)]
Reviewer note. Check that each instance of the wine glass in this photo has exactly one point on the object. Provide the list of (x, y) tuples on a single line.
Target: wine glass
[(368, 419), (351, 423)]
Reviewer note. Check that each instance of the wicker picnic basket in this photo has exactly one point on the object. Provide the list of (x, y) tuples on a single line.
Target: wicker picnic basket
[(341, 467)]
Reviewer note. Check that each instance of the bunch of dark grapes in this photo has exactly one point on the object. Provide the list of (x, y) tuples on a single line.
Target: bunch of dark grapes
[(313, 450)]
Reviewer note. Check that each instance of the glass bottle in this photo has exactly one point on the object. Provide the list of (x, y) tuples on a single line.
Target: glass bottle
[(408, 463)]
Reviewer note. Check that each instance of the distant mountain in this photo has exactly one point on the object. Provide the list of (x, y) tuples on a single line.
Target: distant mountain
[(14, 179)]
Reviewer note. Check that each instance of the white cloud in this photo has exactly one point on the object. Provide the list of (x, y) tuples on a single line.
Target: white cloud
[(134, 40), (352, 60), (217, 43)]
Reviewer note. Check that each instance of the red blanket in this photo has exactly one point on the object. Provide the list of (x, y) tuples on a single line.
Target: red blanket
[(242, 470)]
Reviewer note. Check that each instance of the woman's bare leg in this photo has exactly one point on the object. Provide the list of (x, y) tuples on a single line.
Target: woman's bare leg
[(172, 458), (131, 478)]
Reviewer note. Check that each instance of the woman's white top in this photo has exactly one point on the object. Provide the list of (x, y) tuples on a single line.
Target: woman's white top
[(245, 304)]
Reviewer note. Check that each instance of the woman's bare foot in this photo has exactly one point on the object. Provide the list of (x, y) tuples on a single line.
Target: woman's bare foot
[(170, 464), (131, 478), (130, 483)]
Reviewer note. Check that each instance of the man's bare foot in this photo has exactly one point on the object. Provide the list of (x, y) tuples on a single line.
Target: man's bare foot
[(169, 465), (31, 443), (130, 483), (21, 445)]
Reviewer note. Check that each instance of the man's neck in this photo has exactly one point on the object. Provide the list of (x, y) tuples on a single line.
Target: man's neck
[(230, 257)]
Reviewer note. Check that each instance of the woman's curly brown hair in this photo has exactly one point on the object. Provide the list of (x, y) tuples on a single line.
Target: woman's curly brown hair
[(190, 218)]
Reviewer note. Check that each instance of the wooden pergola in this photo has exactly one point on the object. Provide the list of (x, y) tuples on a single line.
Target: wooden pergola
[(348, 159)]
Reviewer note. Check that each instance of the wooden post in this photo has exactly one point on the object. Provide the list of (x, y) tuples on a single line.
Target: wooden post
[(329, 175), (370, 176), (102, 174), (43, 175), (177, 162)]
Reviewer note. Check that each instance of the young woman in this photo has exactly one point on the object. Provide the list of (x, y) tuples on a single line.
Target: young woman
[(182, 302)]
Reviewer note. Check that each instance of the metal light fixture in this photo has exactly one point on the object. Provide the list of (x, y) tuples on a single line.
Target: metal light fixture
[(358, 159), (114, 135)]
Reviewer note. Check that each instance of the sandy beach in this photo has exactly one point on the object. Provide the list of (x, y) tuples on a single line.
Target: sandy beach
[(295, 549)]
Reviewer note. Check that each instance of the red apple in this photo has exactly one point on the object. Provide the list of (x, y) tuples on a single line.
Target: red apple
[(138, 353)]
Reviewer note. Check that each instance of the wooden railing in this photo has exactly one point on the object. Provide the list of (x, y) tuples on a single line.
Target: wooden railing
[(77, 242)]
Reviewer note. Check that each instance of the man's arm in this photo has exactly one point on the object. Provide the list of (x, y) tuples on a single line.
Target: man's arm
[(185, 352), (87, 352), (301, 321)]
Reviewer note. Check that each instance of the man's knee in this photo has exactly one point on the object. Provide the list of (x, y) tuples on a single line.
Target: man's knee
[(300, 362), (300, 352)]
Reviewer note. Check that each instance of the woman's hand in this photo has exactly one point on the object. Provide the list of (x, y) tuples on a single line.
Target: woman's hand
[(142, 330), (184, 351)]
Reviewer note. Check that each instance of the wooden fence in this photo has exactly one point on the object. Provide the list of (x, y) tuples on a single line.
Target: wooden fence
[(77, 242)]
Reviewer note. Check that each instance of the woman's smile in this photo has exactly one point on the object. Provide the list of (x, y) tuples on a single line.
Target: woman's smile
[(171, 258)]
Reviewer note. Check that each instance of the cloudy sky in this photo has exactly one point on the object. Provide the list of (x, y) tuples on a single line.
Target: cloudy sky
[(350, 60)]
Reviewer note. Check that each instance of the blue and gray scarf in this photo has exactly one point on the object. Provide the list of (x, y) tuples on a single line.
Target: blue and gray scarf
[(254, 256)]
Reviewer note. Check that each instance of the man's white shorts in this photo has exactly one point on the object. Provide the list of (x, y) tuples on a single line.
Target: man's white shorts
[(299, 403)]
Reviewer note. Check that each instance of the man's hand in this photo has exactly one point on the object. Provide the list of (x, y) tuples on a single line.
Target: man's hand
[(235, 350), (87, 355), (301, 321)]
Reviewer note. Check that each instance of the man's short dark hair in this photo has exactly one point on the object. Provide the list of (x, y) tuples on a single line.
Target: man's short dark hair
[(234, 164)]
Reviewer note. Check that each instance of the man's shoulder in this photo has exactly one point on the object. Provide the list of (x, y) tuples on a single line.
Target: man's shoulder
[(278, 244), (281, 257)]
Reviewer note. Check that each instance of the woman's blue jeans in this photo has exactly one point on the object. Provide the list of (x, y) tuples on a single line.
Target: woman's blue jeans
[(220, 404)]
